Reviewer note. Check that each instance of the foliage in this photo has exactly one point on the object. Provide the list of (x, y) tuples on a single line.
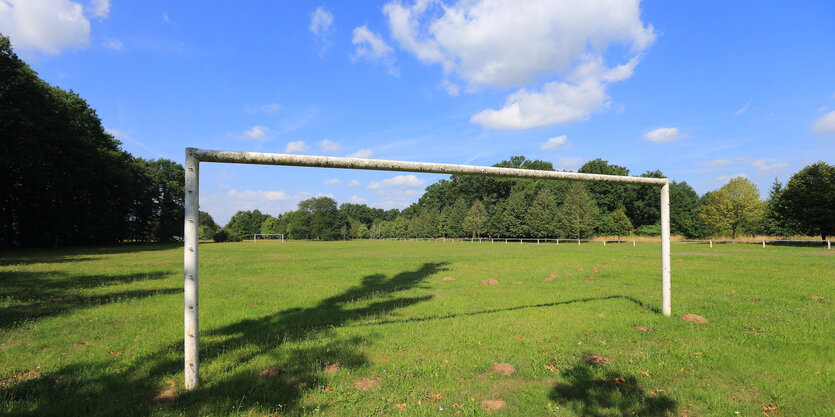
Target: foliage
[(684, 211), (542, 215), (620, 223), (476, 219), (206, 226), (246, 223), (808, 202), (578, 213), (733, 207)]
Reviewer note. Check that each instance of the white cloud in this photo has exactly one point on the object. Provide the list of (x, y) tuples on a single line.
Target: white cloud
[(507, 43), (556, 103), (333, 181), (223, 186), (824, 125), (266, 108), (664, 135), (555, 144), (296, 147), (222, 205), (353, 183), (362, 153), (763, 166), (114, 44), (165, 17), (100, 8), (320, 25), (372, 47), (743, 109), (355, 199), (258, 133), (46, 26), (125, 138), (450, 88), (329, 146), (723, 179), (570, 164), (400, 181)]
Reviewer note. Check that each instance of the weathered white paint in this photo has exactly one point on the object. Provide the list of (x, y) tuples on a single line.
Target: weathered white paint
[(190, 301), (666, 304), (195, 156)]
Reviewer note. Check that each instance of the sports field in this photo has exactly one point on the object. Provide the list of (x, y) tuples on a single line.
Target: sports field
[(407, 328)]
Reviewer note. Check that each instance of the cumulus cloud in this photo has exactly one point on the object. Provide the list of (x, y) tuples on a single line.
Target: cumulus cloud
[(100, 8), (555, 144), (355, 199), (46, 26), (333, 181), (320, 25), (114, 44), (570, 164), (451, 88), (510, 43), (723, 179), (329, 146), (222, 205), (296, 147), (371, 46), (664, 135), (824, 125), (362, 153), (353, 183), (764, 166), (400, 181), (258, 133)]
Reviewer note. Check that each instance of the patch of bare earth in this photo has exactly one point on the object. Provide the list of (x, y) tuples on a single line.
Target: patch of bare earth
[(816, 297), (493, 404), (549, 279), (254, 303), (168, 395), (641, 328), (589, 278), (489, 282), (517, 283), (448, 279), (693, 318), (505, 369), (274, 371), (596, 359), (568, 275), (365, 384), (332, 369), (20, 377), (80, 345), (552, 276)]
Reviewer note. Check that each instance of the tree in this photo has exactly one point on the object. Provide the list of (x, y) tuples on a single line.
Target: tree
[(620, 223), (684, 211), (733, 207), (269, 226), (774, 223), (323, 217), (808, 202), (542, 214), (206, 226), (454, 220), (246, 223), (607, 196), (476, 219), (578, 212), (516, 211)]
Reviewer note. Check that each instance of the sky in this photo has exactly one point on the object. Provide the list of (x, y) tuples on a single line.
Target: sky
[(703, 91)]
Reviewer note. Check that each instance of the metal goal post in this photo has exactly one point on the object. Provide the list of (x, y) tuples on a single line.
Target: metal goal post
[(195, 156), (279, 236)]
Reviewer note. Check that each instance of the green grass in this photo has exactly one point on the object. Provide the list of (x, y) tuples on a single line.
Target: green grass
[(99, 331)]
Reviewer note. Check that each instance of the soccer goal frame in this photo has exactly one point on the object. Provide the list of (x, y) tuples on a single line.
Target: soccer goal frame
[(192, 196), (255, 236)]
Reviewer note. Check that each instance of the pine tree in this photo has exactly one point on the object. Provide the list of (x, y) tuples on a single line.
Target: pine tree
[(476, 219), (578, 212), (542, 214)]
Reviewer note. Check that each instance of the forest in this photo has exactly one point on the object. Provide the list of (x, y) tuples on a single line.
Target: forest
[(66, 182)]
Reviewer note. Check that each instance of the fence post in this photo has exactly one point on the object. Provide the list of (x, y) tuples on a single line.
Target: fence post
[(578, 242), (633, 243), (828, 245), (763, 243), (711, 243), (604, 242)]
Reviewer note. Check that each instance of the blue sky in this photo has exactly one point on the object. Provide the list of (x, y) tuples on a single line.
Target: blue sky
[(703, 91)]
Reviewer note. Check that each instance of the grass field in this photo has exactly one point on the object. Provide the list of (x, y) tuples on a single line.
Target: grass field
[(99, 331)]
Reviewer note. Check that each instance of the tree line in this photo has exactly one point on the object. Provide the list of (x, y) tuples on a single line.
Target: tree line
[(65, 181), (473, 206)]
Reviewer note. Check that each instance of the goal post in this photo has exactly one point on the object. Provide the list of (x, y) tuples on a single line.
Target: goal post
[(192, 196), (279, 236)]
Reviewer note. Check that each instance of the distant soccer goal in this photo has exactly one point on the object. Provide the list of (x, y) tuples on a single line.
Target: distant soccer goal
[(268, 236), (195, 156)]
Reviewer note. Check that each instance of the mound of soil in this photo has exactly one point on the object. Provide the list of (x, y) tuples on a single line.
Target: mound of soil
[(517, 283), (552, 276), (448, 279), (816, 297), (568, 275), (641, 328), (494, 404), (332, 369), (589, 278), (274, 371), (596, 359), (489, 282), (549, 279), (693, 318), (365, 384), (502, 369)]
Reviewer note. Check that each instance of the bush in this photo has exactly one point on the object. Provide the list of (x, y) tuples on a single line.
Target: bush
[(226, 236), (649, 230)]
